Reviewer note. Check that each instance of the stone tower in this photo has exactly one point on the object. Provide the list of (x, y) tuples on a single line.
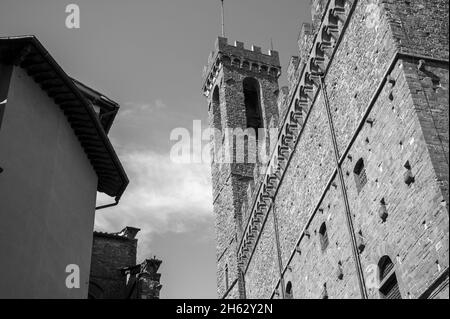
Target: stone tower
[(354, 200), (241, 87)]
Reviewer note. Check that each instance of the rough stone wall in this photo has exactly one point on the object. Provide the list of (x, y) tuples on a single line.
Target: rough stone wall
[(415, 234), (305, 41), (419, 26), (226, 212), (228, 260), (308, 173), (234, 293), (429, 88), (393, 114), (359, 65), (317, 11), (110, 254), (263, 270), (283, 102), (224, 218), (234, 112), (231, 180), (311, 268)]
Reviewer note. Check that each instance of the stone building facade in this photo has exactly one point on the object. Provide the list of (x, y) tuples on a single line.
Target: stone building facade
[(353, 201), (114, 272)]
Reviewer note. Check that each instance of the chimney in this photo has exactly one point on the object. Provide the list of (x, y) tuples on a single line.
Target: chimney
[(129, 232)]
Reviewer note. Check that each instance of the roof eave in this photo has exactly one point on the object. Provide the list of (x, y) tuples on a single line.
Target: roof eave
[(94, 120)]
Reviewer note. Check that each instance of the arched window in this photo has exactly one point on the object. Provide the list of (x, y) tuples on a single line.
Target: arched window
[(252, 104), (216, 109), (389, 288), (323, 237), (217, 125), (226, 60), (289, 293), (324, 291), (360, 175)]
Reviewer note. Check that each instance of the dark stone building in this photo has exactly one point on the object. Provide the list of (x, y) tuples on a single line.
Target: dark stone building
[(353, 202), (114, 272)]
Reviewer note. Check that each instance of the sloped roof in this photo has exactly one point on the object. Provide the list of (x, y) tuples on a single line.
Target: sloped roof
[(108, 108), (28, 53)]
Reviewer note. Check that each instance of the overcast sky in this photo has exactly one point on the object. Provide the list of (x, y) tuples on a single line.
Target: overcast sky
[(148, 56)]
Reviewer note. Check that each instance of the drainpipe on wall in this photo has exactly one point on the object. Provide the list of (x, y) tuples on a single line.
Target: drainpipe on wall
[(116, 202), (277, 239), (356, 257)]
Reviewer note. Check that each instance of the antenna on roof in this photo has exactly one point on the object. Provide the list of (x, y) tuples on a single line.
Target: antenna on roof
[(223, 19), (271, 44)]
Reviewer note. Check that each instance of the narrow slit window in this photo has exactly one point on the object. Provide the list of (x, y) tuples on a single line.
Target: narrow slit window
[(323, 237), (289, 293), (360, 175), (389, 288), (217, 125)]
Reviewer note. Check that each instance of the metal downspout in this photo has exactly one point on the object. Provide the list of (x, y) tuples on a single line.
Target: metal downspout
[(356, 257)]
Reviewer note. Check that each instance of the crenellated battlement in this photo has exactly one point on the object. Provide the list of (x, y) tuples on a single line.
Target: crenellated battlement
[(305, 40), (252, 60), (318, 10)]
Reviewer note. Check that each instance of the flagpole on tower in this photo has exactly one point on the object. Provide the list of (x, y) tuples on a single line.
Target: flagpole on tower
[(223, 19)]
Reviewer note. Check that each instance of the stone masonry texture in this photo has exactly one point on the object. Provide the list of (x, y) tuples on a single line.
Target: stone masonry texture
[(383, 102), (114, 272), (110, 254)]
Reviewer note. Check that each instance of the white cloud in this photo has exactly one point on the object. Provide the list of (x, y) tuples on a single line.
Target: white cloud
[(129, 108), (162, 196)]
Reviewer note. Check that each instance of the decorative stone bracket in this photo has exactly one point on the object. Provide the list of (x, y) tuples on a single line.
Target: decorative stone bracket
[(322, 49)]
